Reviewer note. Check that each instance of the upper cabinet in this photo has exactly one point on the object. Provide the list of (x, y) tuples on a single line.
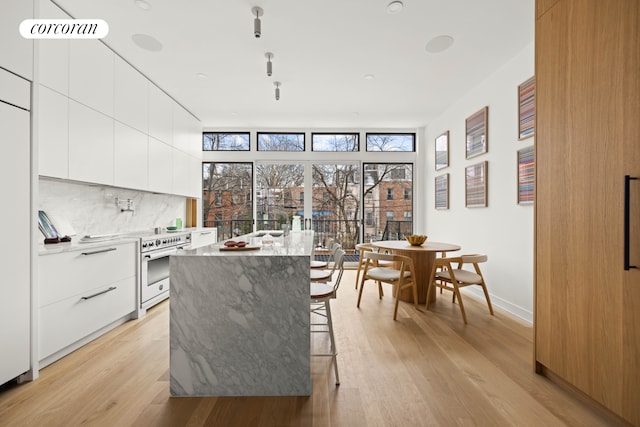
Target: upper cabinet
[(131, 96), (53, 54), (91, 74), (160, 115), (53, 128), (16, 52)]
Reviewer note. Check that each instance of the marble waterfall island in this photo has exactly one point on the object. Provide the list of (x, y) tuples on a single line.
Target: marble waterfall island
[(240, 320)]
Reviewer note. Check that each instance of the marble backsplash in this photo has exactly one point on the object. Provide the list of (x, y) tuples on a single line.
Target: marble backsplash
[(83, 209)]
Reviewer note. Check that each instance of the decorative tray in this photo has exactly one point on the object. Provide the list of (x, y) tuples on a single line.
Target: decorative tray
[(238, 248)]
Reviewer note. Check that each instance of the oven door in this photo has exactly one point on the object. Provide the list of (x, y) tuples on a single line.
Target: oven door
[(154, 267)]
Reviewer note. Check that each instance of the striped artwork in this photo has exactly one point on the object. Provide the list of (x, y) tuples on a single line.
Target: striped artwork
[(526, 175), (475, 180), (476, 132), (442, 151), (526, 108), (442, 191)]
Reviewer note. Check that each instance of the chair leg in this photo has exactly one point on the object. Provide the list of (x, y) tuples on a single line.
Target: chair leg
[(380, 292), (456, 291), (334, 351), (359, 269), (415, 293), (360, 291), (486, 295)]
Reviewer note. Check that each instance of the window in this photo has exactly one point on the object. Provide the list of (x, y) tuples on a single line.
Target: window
[(407, 215), (397, 174), (389, 215), (389, 193), (302, 198), (407, 194), (227, 197), (369, 219), (391, 142), (280, 141), (219, 141), (335, 142)]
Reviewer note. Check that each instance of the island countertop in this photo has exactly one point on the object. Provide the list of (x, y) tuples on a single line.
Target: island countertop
[(240, 319)]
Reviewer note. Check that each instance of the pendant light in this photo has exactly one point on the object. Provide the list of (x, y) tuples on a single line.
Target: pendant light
[(269, 55), (257, 25), (277, 85)]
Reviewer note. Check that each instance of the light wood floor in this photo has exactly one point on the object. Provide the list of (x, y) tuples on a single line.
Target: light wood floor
[(425, 369)]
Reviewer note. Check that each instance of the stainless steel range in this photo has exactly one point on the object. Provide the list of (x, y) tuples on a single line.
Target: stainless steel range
[(155, 250)]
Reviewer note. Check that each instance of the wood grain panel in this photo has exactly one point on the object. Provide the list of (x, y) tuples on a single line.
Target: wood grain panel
[(586, 71)]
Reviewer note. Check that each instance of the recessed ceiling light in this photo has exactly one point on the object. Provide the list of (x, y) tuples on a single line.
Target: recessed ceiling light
[(142, 4), (394, 7), (369, 77), (439, 44), (202, 75), (147, 42)]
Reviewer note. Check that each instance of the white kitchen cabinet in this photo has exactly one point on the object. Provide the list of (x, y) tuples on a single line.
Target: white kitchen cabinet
[(15, 286), (90, 145), (53, 129), (160, 115), (91, 74), (131, 102), (16, 52), (82, 293), (160, 166), (195, 177), (181, 173), (53, 53), (181, 128), (131, 150), (204, 237)]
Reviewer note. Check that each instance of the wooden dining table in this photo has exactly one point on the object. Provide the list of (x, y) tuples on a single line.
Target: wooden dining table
[(423, 257)]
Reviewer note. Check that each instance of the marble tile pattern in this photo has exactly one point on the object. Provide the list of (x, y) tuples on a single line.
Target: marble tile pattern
[(240, 322), (91, 208)]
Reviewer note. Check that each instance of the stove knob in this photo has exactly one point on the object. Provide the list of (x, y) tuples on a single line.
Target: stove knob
[(150, 244), (158, 242), (144, 245)]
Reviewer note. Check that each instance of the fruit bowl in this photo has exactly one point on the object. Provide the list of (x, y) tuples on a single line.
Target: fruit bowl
[(416, 239)]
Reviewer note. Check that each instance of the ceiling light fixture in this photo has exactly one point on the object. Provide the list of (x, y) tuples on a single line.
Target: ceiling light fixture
[(269, 55), (147, 42), (257, 25), (142, 4), (369, 77), (277, 85), (394, 7)]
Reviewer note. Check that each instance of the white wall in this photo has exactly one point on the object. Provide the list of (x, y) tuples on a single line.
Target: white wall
[(504, 229)]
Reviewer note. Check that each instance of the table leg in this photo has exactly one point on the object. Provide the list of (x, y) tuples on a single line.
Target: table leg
[(422, 264)]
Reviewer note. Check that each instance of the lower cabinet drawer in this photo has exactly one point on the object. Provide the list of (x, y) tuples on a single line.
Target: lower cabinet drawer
[(65, 322), (203, 238)]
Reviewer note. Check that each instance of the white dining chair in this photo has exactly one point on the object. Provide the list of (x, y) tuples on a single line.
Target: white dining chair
[(321, 296)]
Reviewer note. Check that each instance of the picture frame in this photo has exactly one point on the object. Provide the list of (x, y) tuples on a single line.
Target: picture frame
[(526, 108), (475, 181), (442, 151), (442, 191), (526, 175), (476, 132)]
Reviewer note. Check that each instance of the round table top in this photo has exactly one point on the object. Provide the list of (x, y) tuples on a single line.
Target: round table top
[(425, 247)]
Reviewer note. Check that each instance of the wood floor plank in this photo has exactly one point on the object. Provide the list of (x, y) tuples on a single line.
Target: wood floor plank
[(426, 369)]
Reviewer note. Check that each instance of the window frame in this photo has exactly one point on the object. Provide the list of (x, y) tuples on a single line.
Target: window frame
[(355, 134), (413, 141), (304, 142), (247, 133)]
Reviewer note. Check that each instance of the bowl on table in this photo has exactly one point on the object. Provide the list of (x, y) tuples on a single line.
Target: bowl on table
[(416, 239)]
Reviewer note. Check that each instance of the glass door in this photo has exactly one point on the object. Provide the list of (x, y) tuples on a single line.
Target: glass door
[(279, 194), (335, 204)]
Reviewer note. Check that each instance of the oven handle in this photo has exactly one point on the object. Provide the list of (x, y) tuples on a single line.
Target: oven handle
[(156, 255)]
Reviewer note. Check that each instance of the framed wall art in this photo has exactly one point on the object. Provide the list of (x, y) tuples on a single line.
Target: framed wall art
[(477, 139), (442, 191), (526, 109), (442, 151), (526, 175), (475, 181)]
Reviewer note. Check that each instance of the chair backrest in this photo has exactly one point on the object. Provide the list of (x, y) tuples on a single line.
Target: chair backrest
[(378, 256), (338, 265), (473, 258)]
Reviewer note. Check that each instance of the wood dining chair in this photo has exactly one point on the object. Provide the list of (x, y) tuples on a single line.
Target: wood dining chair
[(368, 247), (402, 277), (445, 276), (321, 296)]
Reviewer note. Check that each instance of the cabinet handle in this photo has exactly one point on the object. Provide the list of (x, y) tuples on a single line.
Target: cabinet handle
[(111, 288), (204, 233), (99, 252), (627, 216)]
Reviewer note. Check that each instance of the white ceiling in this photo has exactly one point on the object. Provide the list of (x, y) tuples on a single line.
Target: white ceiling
[(322, 52)]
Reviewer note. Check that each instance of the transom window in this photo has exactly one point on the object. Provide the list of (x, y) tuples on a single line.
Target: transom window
[(221, 141), (335, 142), (391, 142), (280, 141)]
